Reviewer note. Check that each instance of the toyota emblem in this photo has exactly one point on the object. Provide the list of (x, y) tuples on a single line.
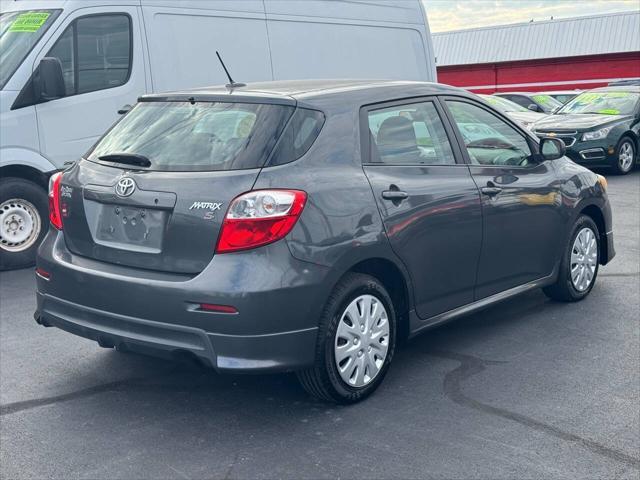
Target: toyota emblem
[(125, 187)]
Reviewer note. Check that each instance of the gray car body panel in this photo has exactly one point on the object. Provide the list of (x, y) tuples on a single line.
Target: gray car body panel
[(456, 250)]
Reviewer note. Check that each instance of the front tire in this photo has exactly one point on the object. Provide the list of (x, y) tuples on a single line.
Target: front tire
[(356, 342), (579, 265), (24, 221), (625, 156)]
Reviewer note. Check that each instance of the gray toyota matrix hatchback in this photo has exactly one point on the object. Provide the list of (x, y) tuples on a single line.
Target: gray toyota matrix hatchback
[(311, 226)]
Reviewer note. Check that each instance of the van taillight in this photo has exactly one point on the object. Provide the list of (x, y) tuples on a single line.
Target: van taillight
[(55, 216), (260, 217)]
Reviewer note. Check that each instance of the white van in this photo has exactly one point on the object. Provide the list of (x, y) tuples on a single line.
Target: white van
[(112, 51)]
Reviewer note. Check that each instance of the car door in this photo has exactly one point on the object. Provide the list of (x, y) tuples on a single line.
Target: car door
[(101, 57), (521, 200), (428, 201)]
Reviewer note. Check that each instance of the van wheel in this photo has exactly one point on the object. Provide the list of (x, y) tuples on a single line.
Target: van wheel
[(625, 156), (23, 222), (356, 341), (579, 265)]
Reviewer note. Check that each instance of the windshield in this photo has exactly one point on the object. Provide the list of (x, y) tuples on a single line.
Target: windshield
[(547, 102), (19, 32), (563, 97), (204, 136), (604, 103), (503, 104)]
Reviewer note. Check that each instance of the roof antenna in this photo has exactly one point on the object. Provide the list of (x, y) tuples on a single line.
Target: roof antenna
[(231, 85)]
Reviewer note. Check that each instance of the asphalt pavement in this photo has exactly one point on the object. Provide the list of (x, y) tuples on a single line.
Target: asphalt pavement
[(528, 389)]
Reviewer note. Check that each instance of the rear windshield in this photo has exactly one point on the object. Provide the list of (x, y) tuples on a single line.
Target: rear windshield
[(204, 136)]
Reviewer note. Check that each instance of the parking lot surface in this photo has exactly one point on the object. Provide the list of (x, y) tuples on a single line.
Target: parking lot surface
[(526, 389)]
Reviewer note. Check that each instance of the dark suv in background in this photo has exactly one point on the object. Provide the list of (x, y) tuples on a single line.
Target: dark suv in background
[(311, 226), (600, 127)]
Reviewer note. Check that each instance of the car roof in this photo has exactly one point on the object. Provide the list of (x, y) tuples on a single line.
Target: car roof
[(311, 92), (526, 94), (618, 88)]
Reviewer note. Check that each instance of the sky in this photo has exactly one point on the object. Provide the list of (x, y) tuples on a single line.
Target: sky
[(447, 15)]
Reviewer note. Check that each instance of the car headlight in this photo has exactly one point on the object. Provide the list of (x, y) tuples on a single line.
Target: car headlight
[(597, 134), (527, 125), (603, 182)]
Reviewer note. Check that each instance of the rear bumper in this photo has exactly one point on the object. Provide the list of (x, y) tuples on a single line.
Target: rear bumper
[(226, 353), (278, 298)]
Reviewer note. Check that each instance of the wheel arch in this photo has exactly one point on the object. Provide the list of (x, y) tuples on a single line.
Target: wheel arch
[(26, 172), (634, 138), (395, 282), (595, 213), (26, 164)]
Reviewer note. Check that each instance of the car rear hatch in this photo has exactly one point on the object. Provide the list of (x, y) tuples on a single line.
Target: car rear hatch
[(154, 190)]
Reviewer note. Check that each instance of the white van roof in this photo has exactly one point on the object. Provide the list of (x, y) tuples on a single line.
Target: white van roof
[(405, 12), (17, 5)]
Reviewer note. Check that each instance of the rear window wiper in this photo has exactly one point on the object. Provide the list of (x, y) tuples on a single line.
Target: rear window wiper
[(126, 158)]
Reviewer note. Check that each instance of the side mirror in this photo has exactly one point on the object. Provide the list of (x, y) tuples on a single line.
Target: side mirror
[(50, 80), (533, 107), (125, 109), (552, 148)]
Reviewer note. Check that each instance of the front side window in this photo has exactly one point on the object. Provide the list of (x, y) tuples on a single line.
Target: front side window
[(19, 32), (489, 140), (518, 100), (503, 104), (411, 134), (547, 102), (204, 136), (95, 53)]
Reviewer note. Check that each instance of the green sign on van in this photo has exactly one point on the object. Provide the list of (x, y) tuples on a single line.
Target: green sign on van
[(29, 22)]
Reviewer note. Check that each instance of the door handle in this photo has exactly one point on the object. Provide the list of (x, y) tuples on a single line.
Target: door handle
[(124, 109), (491, 191), (394, 195)]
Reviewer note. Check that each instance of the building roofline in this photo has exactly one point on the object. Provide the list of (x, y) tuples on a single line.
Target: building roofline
[(536, 22)]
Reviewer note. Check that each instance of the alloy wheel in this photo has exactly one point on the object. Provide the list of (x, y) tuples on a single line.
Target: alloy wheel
[(362, 341), (625, 156), (584, 259)]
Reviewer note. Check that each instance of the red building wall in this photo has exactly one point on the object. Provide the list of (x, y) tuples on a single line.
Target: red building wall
[(538, 75)]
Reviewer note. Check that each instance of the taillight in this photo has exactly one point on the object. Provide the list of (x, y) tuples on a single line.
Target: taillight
[(55, 216), (260, 217)]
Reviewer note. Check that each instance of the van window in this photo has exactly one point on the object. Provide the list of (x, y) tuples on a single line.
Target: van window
[(302, 130), (205, 136), (19, 32), (95, 53)]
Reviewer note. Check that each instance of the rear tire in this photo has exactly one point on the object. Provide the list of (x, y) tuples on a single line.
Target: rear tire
[(579, 265), (24, 221), (625, 156), (347, 371)]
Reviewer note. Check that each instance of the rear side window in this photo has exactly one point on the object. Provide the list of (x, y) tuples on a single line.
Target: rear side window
[(95, 53), (302, 130), (204, 136), (411, 134)]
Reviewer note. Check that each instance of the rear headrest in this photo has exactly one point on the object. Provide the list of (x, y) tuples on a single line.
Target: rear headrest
[(398, 132)]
